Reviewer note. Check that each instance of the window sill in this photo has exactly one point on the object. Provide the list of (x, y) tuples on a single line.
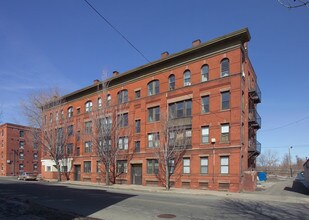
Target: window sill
[(225, 110)]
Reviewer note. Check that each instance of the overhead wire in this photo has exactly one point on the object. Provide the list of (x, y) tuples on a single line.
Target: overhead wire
[(115, 29)]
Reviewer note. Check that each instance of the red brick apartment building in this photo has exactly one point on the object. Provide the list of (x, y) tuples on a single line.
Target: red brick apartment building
[(18, 152), (212, 88)]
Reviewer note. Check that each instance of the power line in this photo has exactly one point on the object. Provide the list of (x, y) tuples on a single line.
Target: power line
[(287, 146), (115, 29), (286, 125)]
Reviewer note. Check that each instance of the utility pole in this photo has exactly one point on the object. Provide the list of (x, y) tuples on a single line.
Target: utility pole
[(290, 161)]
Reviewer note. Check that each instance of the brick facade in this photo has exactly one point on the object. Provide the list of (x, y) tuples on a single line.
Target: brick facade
[(231, 121), (17, 151)]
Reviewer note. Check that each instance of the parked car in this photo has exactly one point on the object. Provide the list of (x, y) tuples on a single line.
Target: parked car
[(300, 176), (27, 176)]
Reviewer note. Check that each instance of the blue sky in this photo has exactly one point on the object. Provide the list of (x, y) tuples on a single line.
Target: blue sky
[(64, 44)]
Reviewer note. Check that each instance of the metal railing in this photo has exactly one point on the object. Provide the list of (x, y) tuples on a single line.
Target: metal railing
[(256, 93), (254, 118)]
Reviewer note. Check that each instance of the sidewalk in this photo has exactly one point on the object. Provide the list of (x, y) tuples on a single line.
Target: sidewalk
[(193, 192)]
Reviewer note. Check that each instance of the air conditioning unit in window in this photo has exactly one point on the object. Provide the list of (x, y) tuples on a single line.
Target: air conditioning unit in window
[(187, 84)]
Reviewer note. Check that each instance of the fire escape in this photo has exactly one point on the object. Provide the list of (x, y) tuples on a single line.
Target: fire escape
[(254, 148)]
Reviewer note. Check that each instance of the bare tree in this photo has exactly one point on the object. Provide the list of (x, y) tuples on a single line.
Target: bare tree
[(285, 163), (294, 3), (44, 112), (112, 133), (175, 139), (268, 160)]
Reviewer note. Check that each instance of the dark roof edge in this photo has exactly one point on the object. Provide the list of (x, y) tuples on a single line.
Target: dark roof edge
[(242, 34)]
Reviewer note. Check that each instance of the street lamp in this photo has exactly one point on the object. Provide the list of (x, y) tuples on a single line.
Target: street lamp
[(290, 161)]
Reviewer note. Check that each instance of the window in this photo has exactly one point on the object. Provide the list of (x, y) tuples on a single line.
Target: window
[(123, 120), (171, 82), (204, 73), (21, 167), (224, 165), (21, 144), (35, 156), (99, 166), (88, 147), (180, 138), (57, 116), (171, 165), (70, 112), (225, 133), (62, 114), (88, 127), (109, 99), (78, 111), (99, 103), (137, 126), (153, 140), (50, 118), (137, 146), (205, 104), (153, 87), (205, 134), (123, 143), (187, 78), (225, 100), (204, 165), (21, 156), (88, 106), (35, 167), (225, 67), (70, 130), (186, 165), (137, 94), (87, 167), (123, 96), (77, 151), (48, 168), (152, 166), (69, 149), (154, 114), (122, 166), (21, 133), (180, 109)]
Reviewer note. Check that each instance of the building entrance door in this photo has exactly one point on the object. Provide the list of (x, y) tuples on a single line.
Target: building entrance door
[(77, 172), (136, 174)]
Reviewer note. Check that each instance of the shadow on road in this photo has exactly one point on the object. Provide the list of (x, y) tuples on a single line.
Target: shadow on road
[(82, 201), (263, 210), (298, 187)]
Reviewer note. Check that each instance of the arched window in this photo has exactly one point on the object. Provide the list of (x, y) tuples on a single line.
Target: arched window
[(88, 106), (171, 81), (225, 67), (99, 102), (123, 96), (204, 72), (70, 112), (153, 87), (109, 99), (187, 78)]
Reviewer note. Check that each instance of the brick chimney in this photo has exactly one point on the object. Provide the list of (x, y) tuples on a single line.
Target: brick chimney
[(164, 54), (115, 73), (196, 43), (96, 81)]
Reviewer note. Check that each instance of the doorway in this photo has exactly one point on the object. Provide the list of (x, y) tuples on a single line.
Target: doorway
[(77, 172), (136, 174)]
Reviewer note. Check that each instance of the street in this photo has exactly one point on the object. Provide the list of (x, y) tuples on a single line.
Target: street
[(102, 203)]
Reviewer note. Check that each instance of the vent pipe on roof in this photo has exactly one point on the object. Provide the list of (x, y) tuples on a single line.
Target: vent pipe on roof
[(115, 73), (164, 54), (96, 81), (196, 43)]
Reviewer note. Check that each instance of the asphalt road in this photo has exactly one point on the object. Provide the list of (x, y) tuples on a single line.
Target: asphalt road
[(102, 204)]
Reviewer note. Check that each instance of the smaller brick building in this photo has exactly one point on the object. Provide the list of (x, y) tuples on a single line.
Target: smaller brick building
[(18, 152)]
